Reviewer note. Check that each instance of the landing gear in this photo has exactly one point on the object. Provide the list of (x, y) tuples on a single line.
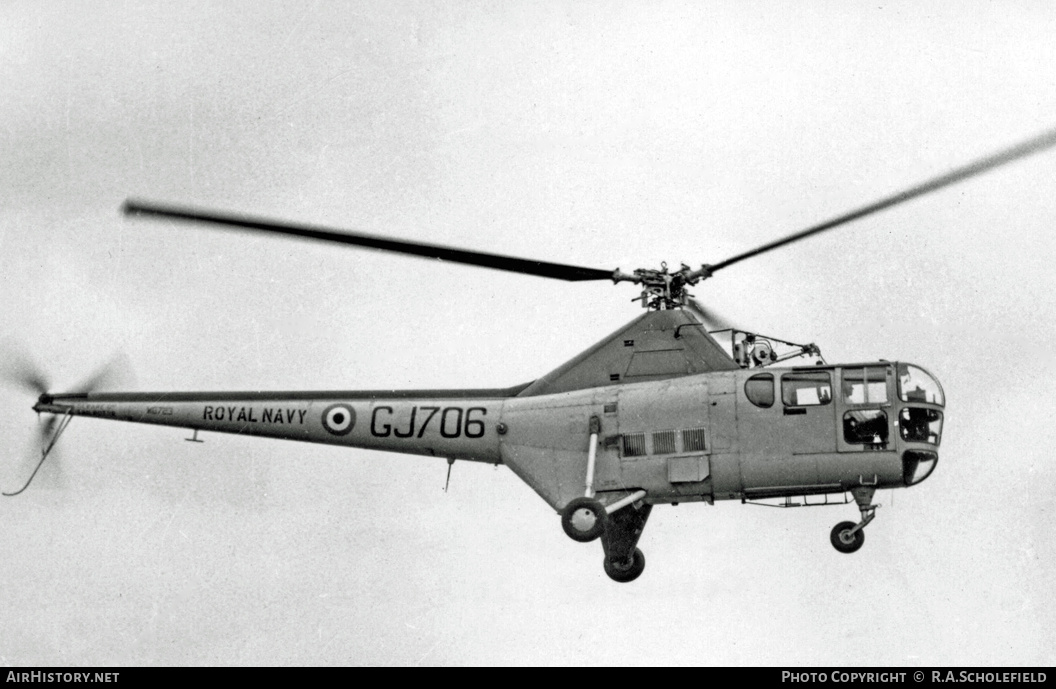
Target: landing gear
[(619, 525), (626, 570), (848, 537), (623, 561), (845, 538), (584, 519)]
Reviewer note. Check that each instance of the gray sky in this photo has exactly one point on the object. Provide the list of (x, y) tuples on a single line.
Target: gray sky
[(596, 134)]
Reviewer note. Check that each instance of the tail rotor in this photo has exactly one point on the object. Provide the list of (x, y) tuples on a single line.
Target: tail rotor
[(18, 370)]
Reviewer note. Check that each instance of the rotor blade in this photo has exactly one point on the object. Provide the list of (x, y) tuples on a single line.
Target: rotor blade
[(18, 368), (45, 429), (544, 269), (116, 371), (708, 317), (1029, 147)]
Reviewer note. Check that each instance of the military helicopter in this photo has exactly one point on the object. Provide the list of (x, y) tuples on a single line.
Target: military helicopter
[(658, 412)]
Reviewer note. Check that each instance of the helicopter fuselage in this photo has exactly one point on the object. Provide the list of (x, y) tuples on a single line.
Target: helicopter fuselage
[(740, 434)]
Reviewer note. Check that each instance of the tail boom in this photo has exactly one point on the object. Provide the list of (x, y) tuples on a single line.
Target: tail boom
[(460, 424)]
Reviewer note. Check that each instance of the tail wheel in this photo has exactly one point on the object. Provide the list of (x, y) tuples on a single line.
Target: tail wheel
[(845, 541), (627, 570), (583, 519)]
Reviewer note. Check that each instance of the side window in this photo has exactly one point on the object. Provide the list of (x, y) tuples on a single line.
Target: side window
[(806, 389), (865, 385), (759, 390), (865, 426), (920, 425)]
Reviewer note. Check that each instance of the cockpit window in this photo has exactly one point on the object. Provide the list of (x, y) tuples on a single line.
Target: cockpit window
[(920, 425), (916, 385), (865, 385), (806, 389), (865, 426), (759, 389)]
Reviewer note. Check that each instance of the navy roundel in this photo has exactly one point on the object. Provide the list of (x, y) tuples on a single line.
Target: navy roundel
[(339, 419)]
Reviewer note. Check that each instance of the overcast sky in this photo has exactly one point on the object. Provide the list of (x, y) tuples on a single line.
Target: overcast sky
[(596, 134)]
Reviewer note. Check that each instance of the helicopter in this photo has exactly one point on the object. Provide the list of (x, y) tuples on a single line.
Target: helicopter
[(674, 406)]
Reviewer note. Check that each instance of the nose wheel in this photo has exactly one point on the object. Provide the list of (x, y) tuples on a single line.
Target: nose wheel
[(848, 537)]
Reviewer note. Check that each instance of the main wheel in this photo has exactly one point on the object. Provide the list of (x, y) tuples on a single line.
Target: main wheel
[(845, 541), (628, 570), (583, 519)]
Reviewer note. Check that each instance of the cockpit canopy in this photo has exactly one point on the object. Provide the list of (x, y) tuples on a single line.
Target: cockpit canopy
[(918, 423), (917, 385)]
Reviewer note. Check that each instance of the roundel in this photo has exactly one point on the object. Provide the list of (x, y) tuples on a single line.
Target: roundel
[(339, 419)]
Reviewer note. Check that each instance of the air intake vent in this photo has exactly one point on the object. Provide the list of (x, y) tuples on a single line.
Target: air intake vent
[(693, 440), (634, 445), (664, 442)]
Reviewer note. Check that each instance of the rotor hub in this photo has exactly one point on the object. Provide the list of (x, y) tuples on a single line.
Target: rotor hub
[(663, 289)]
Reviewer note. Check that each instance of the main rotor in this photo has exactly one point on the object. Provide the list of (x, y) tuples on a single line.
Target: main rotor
[(660, 289)]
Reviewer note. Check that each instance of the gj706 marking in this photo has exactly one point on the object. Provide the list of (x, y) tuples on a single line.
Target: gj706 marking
[(382, 425)]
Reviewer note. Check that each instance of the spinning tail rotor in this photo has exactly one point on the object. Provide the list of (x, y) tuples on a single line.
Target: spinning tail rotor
[(19, 371)]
